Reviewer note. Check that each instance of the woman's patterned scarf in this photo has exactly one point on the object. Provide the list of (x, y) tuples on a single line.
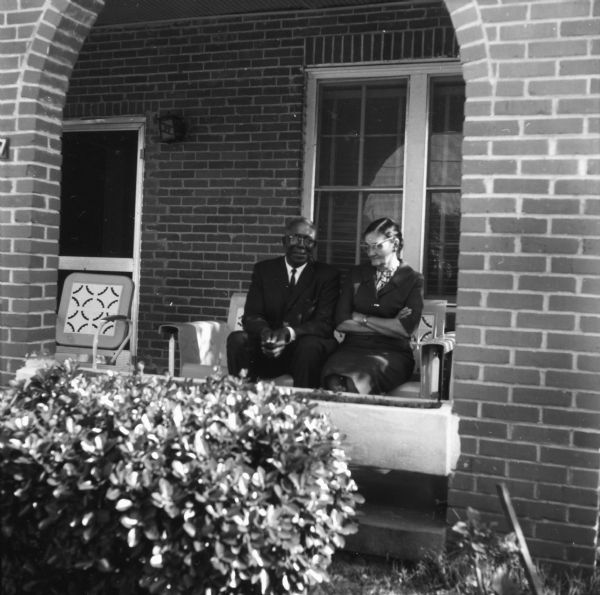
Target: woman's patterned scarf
[(383, 277)]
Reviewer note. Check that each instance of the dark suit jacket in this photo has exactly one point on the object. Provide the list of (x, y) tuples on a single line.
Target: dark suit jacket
[(308, 309)]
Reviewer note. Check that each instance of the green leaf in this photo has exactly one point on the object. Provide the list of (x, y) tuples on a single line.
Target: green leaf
[(123, 504), (128, 522)]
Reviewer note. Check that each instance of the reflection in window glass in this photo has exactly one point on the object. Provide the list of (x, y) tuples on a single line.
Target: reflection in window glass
[(360, 149), (338, 226), (445, 159), (340, 111), (384, 113), (443, 236), (383, 162), (98, 193), (382, 204), (338, 165), (443, 188), (341, 218)]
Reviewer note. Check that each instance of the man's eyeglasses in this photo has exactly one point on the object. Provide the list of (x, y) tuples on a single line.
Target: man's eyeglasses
[(296, 239), (378, 247)]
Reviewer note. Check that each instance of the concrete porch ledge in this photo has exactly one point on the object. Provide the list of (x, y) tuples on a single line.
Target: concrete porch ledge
[(411, 447), (404, 433), (408, 438)]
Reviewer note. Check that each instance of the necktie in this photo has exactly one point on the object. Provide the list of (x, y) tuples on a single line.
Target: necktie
[(293, 279)]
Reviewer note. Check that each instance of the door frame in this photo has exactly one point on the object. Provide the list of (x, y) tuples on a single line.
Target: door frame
[(116, 265)]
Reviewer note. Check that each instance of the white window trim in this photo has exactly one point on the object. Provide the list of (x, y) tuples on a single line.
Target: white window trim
[(117, 265), (417, 125)]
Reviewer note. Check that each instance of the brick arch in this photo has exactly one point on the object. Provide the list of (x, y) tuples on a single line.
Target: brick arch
[(54, 47), (31, 179), (42, 87), (470, 33)]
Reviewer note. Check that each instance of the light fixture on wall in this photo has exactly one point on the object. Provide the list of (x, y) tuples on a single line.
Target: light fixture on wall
[(171, 128)]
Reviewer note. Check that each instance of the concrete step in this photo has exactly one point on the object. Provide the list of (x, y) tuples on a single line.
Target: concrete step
[(400, 533)]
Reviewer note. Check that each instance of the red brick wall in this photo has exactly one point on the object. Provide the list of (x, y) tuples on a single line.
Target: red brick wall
[(34, 76), (527, 384), (216, 203)]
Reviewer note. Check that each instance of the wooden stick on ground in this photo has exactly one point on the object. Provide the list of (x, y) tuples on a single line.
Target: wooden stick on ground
[(535, 582)]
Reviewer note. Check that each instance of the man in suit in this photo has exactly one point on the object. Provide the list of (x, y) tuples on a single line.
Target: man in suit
[(288, 317)]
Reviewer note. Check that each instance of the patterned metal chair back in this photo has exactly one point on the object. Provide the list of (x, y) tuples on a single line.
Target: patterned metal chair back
[(87, 300), (433, 321)]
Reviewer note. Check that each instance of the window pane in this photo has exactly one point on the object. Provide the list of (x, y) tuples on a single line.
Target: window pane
[(383, 161), (385, 109), (340, 110), (445, 159), (443, 234), (341, 218), (443, 193), (378, 205), (337, 220), (339, 136), (385, 113), (338, 161), (445, 141), (98, 193)]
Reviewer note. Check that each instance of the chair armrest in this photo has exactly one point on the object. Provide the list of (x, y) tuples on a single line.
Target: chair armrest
[(436, 366), (446, 342), (202, 346), (96, 339), (114, 317), (171, 329)]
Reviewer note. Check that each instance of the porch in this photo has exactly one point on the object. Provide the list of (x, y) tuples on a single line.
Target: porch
[(526, 384)]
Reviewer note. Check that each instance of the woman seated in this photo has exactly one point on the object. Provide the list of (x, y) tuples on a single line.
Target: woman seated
[(379, 308)]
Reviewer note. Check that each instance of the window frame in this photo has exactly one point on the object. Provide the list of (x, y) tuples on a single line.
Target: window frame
[(418, 75)]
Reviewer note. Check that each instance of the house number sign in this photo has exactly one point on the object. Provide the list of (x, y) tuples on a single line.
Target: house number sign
[(4, 144)]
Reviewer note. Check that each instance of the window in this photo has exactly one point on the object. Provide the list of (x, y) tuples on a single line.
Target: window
[(446, 113), (387, 142)]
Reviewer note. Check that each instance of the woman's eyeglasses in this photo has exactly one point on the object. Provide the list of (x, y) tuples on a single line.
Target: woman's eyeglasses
[(378, 247), (296, 239)]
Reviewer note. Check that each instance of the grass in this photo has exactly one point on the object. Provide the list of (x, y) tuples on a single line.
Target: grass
[(353, 574), (357, 575)]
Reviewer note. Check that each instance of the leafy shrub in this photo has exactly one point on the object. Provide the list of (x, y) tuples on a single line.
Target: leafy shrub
[(126, 484)]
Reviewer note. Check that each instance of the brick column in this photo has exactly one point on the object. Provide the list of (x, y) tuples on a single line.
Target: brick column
[(39, 44), (528, 324)]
